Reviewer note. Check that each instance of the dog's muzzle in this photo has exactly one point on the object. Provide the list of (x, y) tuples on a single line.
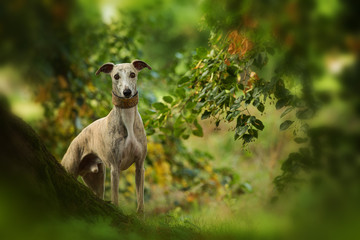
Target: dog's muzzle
[(125, 102)]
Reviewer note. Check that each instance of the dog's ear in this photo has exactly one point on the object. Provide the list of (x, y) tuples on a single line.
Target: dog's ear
[(140, 65), (105, 68)]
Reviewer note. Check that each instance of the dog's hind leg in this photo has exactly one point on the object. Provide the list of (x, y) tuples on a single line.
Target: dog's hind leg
[(92, 170), (96, 180)]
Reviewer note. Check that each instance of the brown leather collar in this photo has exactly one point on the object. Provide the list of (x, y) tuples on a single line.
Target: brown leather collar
[(122, 102)]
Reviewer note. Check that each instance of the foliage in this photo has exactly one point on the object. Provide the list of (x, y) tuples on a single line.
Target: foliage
[(221, 85), (224, 81), (230, 80)]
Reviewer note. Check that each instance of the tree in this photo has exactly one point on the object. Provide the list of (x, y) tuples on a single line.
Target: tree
[(35, 182)]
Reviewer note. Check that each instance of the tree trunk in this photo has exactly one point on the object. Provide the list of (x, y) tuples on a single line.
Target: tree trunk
[(33, 181)]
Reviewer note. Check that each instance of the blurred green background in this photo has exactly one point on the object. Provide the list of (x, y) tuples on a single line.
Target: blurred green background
[(251, 109)]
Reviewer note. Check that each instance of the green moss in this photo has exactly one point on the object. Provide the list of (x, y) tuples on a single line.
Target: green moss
[(26, 164)]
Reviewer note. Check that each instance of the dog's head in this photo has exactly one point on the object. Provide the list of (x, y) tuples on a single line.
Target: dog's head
[(124, 76)]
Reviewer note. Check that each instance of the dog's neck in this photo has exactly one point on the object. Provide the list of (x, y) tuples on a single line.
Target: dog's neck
[(122, 102), (124, 112), (124, 117)]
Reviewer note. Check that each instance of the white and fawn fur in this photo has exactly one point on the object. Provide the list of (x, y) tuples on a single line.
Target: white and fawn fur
[(117, 140)]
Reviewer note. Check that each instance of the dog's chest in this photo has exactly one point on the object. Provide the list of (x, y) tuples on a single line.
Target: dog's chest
[(126, 146)]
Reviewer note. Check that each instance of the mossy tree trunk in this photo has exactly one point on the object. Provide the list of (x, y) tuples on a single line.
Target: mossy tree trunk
[(33, 179)]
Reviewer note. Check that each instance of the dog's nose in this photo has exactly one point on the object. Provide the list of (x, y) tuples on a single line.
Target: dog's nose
[(127, 93)]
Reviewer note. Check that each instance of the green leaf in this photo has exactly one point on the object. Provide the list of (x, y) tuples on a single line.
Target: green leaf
[(197, 125), (168, 99), (150, 111), (232, 71), (229, 116), (189, 118), (159, 106), (161, 118), (304, 114), (239, 99), (248, 101), (241, 86), (236, 113), (214, 91), (242, 130), (305, 128), (229, 80), (217, 123), (190, 105), (183, 80), (222, 67), (201, 52), (150, 131), (280, 90), (261, 59), (251, 119), (205, 115), (258, 124), (289, 109), (219, 95), (199, 105), (270, 50), (204, 74), (178, 131), (246, 187), (178, 122), (247, 138), (300, 140), (241, 120), (185, 136), (261, 107), (234, 106), (180, 92), (198, 131), (253, 133), (221, 100), (281, 103), (165, 130), (285, 125)]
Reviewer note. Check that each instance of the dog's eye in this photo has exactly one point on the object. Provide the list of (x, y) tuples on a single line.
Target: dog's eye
[(116, 76), (132, 75)]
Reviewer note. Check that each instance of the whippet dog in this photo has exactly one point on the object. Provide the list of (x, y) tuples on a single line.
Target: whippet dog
[(116, 141)]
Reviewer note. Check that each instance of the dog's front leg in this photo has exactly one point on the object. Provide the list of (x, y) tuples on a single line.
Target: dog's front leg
[(114, 185), (139, 180)]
